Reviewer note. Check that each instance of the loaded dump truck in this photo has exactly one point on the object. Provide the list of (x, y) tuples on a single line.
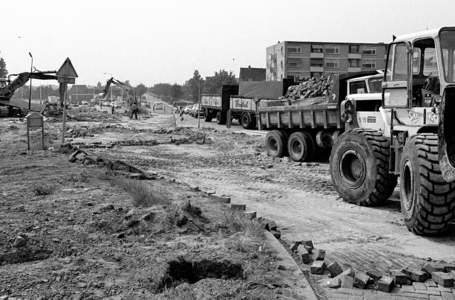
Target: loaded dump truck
[(239, 101), (410, 135)]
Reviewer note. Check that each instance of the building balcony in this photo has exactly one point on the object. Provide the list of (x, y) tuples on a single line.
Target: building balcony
[(354, 69), (354, 56), (316, 69), (316, 55)]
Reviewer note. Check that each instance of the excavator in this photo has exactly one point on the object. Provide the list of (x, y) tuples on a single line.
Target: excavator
[(126, 88), (9, 86)]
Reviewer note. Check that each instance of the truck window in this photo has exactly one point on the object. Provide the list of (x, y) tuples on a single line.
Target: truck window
[(430, 66), (447, 38), (397, 63), (416, 61), (358, 87), (375, 85)]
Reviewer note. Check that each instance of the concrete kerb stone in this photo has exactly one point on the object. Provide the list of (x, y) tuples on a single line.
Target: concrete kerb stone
[(304, 287)]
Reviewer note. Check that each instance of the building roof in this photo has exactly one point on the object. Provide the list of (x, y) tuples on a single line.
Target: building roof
[(252, 74), (331, 43)]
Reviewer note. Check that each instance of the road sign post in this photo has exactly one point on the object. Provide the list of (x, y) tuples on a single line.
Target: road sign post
[(66, 75)]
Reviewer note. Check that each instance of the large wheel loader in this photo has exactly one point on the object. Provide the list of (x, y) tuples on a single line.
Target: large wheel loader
[(408, 135)]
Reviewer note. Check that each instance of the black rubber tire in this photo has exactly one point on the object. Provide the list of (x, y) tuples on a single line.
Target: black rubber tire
[(275, 143), (207, 116), (220, 118), (246, 121), (301, 146), (427, 201), (359, 167)]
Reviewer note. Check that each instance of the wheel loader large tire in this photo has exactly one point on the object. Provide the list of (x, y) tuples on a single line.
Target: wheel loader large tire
[(275, 143), (359, 165), (301, 146), (427, 201)]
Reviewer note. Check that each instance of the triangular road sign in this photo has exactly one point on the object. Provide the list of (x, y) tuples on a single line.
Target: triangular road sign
[(67, 70)]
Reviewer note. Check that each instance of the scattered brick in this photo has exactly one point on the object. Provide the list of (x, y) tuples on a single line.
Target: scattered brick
[(430, 283), (444, 279), (269, 225), (332, 282), (308, 245), (347, 282), (250, 215), (239, 207), (374, 274), (449, 268), (385, 284), (317, 267), (320, 254), (335, 269), (295, 245), (432, 297), (430, 268), (415, 275), (398, 276), (221, 199), (419, 286), (361, 280), (347, 272), (303, 254), (276, 233), (407, 288)]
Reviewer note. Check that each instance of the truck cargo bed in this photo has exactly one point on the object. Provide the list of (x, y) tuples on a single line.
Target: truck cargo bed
[(306, 113)]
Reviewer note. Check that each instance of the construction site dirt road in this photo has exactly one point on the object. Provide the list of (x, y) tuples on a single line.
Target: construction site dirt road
[(299, 197)]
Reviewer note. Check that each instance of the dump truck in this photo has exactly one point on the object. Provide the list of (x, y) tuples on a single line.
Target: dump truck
[(409, 137), (239, 101)]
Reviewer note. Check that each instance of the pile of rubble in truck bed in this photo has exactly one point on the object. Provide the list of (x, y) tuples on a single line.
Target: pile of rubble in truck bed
[(310, 88)]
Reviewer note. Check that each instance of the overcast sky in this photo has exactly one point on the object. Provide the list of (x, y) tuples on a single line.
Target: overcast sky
[(165, 41)]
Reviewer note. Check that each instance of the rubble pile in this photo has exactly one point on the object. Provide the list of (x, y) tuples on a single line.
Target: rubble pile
[(310, 88)]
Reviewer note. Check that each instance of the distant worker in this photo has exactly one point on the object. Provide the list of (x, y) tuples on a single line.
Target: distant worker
[(134, 110)]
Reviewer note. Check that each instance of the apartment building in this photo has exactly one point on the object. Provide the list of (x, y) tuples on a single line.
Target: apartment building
[(302, 59)]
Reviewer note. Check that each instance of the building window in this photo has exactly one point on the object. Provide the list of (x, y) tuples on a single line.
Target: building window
[(317, 49), (281, 63), (354, 63), (294, 65), (369, 63), (332, 63), (369, 50), (294, 50), (330, 49), (316, 62), (354, 49)]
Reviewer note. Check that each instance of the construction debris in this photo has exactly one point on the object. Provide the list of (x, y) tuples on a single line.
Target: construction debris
[(310, 88)]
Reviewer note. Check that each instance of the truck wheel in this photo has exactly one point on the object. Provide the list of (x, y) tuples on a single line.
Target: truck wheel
[(301, 146), (359, 166), (246, 121), (427, 201), (220, 118), (275, 143), (207, 116)]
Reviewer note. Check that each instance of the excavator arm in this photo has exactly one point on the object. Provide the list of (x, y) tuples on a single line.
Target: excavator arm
[(129, 90), (12, 85)]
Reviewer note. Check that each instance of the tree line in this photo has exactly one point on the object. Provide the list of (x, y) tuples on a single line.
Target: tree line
[(190, 90)]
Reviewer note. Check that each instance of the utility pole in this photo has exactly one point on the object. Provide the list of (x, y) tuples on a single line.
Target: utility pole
[(30, 97)]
